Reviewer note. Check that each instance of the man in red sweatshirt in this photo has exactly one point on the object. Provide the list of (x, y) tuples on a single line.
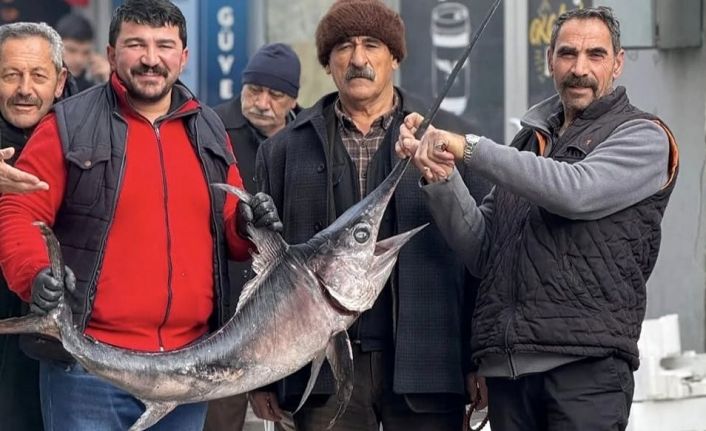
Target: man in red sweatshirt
[(128, 166)]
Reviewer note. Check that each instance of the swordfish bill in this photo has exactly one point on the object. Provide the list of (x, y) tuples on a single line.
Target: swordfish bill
[(294, 311)]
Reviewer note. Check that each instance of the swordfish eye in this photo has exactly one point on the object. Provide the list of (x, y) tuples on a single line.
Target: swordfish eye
[(361, 233)]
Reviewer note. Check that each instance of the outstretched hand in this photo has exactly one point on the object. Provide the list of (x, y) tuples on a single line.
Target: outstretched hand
[(13, 180)]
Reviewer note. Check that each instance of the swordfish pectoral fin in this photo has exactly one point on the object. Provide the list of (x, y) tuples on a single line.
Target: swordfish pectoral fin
[(154, 411), (340, 357), (314, 374)]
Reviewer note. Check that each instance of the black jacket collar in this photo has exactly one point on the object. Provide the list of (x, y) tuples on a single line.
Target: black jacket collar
[(408, 103), (234, 118)]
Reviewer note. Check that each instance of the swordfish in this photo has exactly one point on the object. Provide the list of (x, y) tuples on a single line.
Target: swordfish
[(294, 311)]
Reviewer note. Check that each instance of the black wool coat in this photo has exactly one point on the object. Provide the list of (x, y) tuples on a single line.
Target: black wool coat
[(432, 292)]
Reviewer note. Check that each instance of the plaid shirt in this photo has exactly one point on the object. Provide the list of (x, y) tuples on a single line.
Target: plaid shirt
[(361, 148)]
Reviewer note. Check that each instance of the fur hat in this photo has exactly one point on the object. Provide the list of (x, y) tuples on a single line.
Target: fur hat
[(350, 18), (274, 66)]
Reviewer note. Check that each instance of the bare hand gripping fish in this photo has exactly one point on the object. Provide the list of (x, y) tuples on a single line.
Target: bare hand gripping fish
[(296, 310)]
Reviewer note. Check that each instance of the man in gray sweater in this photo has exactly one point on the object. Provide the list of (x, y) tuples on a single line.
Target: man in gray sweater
[(565, 241)]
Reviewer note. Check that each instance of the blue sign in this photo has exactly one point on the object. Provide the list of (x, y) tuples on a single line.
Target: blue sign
[(223, 50)]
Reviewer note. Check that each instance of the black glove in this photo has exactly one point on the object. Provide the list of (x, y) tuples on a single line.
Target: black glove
[(261, 212), (47, 290)]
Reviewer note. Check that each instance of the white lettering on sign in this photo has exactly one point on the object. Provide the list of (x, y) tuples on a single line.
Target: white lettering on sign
[(226, 43), (226, 62), (225, 88)]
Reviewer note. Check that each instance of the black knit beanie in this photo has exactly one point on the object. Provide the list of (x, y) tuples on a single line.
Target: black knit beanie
[(274, 66), (350, 18)]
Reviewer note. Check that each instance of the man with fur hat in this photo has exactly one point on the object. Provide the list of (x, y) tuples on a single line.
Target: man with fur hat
[(267, 102), (410, 351)]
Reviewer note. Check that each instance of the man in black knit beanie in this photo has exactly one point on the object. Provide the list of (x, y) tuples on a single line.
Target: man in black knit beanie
[(267, 102)]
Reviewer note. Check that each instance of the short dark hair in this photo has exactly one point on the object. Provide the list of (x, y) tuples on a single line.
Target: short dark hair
[(75, 26), (155, 13), (603, 13)]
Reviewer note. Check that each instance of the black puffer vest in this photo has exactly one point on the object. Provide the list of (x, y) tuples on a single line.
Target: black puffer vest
[(93, 136), (574, 287)]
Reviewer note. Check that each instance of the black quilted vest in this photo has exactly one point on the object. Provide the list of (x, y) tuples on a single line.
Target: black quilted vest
[(564, 286), (93, 137)]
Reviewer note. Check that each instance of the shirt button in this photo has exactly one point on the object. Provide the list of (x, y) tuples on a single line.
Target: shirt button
[(87, 163), (320, 168)]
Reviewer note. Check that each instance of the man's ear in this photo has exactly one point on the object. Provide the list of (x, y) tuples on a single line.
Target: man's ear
[(550, 66), (60, 82), (110, 54), (327, 69), (184, 59), (619, 63)]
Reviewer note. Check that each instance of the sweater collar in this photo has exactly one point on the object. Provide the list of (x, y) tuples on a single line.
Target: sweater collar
[(182, 99), (405, 105)]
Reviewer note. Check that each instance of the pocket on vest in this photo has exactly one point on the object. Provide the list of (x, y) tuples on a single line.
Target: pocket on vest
[(84, 182), (571, 153)]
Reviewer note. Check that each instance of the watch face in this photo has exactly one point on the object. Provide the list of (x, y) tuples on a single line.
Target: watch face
[(472, 139)]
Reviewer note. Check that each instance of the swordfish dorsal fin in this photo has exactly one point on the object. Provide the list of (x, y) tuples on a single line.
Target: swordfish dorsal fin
[(270, 247)]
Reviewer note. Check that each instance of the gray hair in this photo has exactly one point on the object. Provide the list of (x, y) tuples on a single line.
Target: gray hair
[(23, 30), (603, 13)]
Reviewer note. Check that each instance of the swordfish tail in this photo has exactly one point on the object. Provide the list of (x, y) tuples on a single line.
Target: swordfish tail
[(36, 323), (55, 259)]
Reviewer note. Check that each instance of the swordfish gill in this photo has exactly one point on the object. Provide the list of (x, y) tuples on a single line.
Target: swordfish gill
[(294, 311)]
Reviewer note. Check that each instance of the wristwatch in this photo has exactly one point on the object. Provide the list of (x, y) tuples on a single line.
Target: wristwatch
[(471, 142)]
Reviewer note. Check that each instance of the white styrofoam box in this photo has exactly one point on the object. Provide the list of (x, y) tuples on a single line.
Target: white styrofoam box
[(660, 337), (685, 414)]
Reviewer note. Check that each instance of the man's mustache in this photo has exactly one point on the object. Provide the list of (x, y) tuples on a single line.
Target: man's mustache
[(355, 72), (580, 81), (20, 99), (142, 69), (260, 113)]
